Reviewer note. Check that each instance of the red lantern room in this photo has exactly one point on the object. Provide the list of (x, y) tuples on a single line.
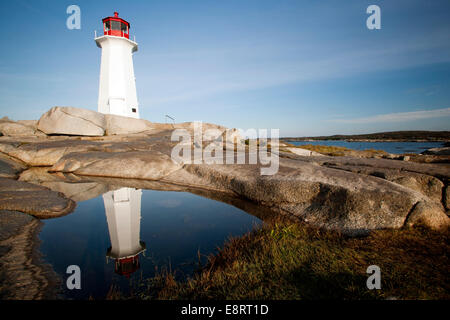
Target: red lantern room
[(127, 266), (115, 26)]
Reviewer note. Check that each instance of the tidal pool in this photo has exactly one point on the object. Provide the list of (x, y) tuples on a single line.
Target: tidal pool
[(123, 236)]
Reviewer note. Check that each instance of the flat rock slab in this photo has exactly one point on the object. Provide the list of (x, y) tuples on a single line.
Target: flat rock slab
[(44, 152), (150, 165), (23, 276), (116, 125), (440, 171), (427, 184), (303, 152), (35, 200), (48, 151), (16, 129), (9, 168), (324, 197), (445, 151), (76, 190), (344, 193), (12, 222)]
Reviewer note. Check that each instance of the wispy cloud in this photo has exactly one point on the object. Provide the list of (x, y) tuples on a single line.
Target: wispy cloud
[(190, 75), (398, 117)]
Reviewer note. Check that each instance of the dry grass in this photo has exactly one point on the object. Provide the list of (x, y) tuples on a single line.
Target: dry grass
[(285, 260), (343, 151), (328, 150)]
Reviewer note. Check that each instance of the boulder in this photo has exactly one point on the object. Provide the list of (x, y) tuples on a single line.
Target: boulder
[(72, 121), (426, 184), (124, 125), (30, 123), (447, 198), (5, 119), (428, 214), (324, 197), (13, 129)]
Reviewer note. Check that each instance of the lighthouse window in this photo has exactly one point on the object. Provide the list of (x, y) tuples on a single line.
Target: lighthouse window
[(115, 25), (107, 26), (133, 109), (124, 28)]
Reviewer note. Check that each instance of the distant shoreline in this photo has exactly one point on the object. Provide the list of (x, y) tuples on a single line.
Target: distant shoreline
[(311, 139), (395, 136)]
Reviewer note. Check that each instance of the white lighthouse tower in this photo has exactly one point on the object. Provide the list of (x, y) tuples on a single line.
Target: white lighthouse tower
[(123, 214), (117, 89)]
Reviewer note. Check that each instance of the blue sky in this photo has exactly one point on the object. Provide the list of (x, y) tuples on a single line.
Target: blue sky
[(305, 67)]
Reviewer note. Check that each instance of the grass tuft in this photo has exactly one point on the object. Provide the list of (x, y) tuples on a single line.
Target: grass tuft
[(286, 260)]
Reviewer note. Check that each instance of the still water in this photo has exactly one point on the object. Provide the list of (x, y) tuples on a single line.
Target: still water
[(390, 147), (122, 236)]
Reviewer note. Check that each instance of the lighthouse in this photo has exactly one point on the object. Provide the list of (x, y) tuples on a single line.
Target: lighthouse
[(117, 88), (123, 215)]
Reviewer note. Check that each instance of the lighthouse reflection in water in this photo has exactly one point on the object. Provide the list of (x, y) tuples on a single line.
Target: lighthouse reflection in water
[(103, 237), (123, 214)]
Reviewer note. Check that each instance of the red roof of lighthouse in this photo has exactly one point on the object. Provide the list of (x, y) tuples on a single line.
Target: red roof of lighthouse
[(115, 26), (127, 266)]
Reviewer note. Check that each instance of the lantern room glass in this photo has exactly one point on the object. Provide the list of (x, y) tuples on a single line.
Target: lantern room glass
[(115, 26)]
